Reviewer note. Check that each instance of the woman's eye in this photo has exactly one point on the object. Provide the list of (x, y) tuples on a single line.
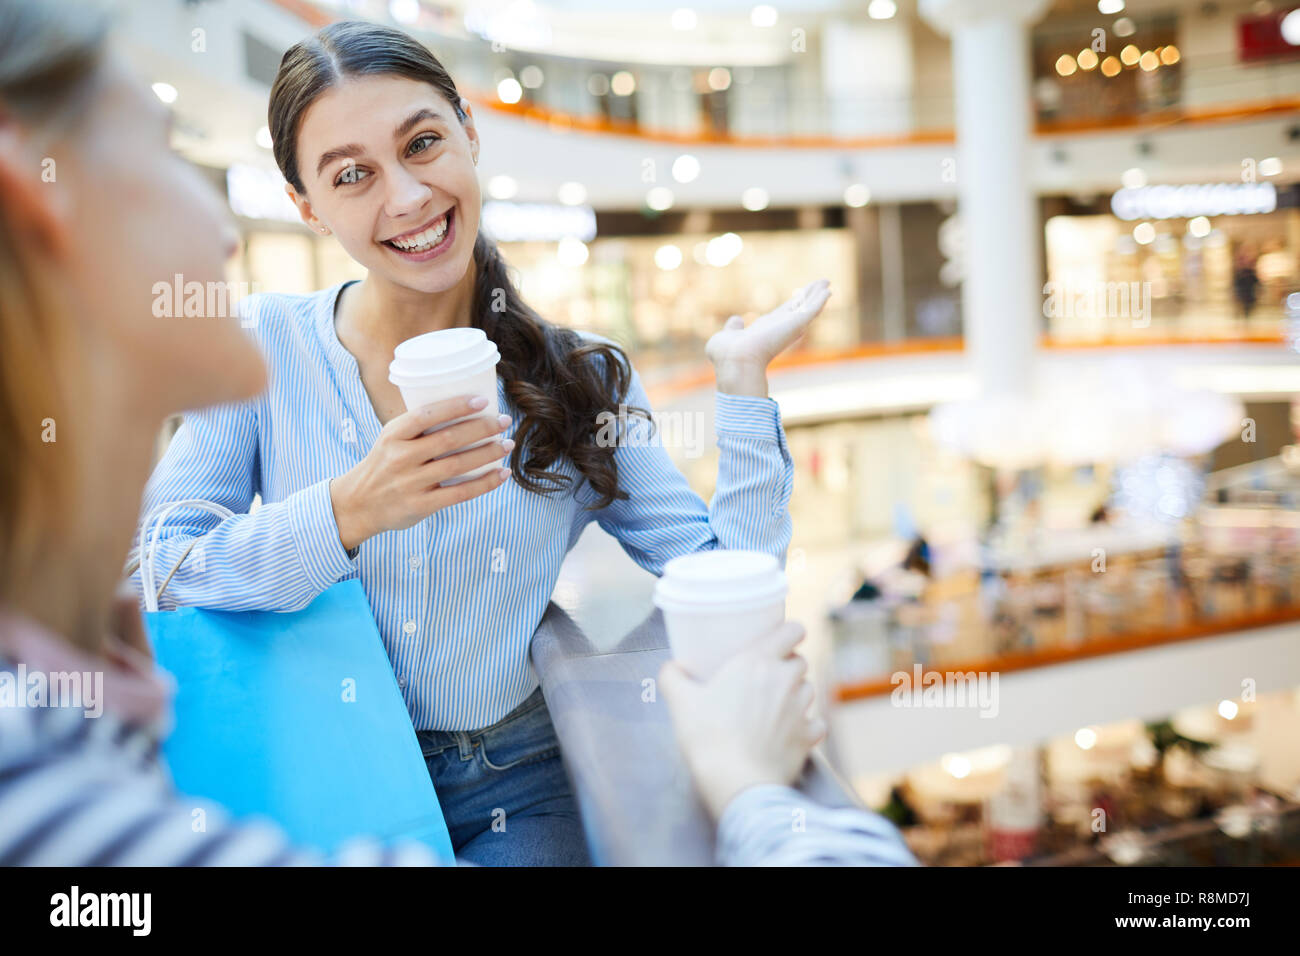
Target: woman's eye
[(349, 175), (421, 143)]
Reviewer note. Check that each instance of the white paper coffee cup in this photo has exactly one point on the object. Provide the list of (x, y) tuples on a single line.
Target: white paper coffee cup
[(447, 364), (716, 603)]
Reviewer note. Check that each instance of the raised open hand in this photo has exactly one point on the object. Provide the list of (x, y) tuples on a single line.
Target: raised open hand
[(740, 353)]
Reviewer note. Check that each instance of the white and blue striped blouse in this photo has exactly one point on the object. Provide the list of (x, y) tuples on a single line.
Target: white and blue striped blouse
[(458, 596)]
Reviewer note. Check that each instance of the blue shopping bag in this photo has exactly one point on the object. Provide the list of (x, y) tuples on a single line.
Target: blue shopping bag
[(297, 717)]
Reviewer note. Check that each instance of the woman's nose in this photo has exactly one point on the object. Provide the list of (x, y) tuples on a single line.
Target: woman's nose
[(406, 194)]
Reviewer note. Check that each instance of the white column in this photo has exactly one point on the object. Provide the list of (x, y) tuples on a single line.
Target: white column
[(1001, 293), (892, 291)]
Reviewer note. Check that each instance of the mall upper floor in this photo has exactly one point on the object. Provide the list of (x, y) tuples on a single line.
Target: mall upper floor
[(813, 101)]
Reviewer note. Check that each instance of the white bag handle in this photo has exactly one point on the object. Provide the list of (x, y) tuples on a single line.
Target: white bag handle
[(148, 571)]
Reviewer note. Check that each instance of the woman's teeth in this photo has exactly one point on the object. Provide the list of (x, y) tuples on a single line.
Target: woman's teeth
[(423, 241)]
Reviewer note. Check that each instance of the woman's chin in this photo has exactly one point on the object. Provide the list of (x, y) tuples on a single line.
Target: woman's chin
[(427, 278)]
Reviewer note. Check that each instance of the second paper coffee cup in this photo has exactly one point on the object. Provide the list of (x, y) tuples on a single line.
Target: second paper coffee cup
[(446, 364), (717, 602)]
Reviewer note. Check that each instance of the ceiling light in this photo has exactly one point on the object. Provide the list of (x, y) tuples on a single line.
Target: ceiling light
[(754, 198), (502, 187), (668, 257), (571, 252), (686, 168), (659, 198), (572, 194), (509, 90), (622, 83), (684, 19)]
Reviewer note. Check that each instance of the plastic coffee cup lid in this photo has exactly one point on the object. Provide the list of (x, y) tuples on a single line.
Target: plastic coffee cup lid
[(749, 578), (447, 353)]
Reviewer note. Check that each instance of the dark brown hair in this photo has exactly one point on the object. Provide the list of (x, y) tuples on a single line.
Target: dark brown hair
[(560, 383)]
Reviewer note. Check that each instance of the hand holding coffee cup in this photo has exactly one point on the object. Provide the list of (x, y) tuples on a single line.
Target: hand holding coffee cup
[(404, 477), (751, 723), (715, 603), (442, 451), (443, 364)]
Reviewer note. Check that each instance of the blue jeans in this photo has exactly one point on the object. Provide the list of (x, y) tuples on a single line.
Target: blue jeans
[(504, 792)]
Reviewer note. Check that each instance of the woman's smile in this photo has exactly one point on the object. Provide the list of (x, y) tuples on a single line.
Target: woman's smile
[(427, 242)]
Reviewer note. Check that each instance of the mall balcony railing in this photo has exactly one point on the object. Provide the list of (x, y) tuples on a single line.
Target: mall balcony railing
[(784, 104), (1038, 616)]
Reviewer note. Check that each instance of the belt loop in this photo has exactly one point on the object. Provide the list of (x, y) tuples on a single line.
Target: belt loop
[(464, 743)]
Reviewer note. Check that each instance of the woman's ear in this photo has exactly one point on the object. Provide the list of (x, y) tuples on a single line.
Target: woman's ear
[(470, 130), (35, 203), (305, 210)]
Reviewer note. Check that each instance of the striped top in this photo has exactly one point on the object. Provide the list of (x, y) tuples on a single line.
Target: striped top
[(81, 790), (769, 825), (458, 596)]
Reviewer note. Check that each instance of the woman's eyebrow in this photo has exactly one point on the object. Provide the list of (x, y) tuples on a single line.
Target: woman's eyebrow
[(350, 151), (353, 150), (409, 123)]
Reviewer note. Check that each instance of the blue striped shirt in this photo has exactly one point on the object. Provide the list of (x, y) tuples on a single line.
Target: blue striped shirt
[(458, 596)]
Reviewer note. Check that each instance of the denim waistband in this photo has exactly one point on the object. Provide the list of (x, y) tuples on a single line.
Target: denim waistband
[(436, 741)]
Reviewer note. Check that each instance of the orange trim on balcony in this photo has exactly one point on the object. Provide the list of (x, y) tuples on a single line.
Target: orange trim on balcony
[(1177, 116), (560, 120), (1119, 341), (309, 12), (702, 376), (1100, 647)]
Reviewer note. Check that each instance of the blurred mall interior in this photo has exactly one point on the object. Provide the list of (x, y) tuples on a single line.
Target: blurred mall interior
[(1048, 426)]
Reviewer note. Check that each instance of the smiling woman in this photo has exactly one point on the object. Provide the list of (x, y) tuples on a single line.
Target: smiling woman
[(378, 148), (402, 198)]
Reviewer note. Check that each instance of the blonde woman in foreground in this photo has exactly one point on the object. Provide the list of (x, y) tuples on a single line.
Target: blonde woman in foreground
[(94, 209)]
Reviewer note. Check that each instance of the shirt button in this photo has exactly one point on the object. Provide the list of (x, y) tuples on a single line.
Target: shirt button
[(401, 682), (409, 627), (414, 561)]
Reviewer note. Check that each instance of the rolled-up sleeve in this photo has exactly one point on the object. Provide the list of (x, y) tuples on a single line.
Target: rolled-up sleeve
[(663, 518), (276, 558), (751, 506)]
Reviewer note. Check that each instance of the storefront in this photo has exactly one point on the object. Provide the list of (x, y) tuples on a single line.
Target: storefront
[(1212, 260)]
